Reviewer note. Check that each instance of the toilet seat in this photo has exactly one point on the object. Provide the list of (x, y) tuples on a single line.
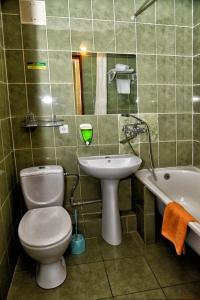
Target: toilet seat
[(42, 227)]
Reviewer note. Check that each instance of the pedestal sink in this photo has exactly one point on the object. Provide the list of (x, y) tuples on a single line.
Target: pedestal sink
[(110, 169)]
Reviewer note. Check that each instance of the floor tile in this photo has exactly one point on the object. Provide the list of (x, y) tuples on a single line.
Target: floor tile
[(130, 275), (24, 287), (171, 269), (92, 254), (131, 246), (183, 291), (84, 282), (153, 294)]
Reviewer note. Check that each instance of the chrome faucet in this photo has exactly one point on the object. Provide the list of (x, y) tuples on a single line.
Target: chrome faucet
[(131, 131)]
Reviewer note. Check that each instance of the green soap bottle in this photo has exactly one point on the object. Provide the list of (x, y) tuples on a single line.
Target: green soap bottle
[(86, 131)]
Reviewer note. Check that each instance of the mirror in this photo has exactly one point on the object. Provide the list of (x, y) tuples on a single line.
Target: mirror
[(104, 83)]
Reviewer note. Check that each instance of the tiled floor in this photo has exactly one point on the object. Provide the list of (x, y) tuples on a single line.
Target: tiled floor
[(126, 272)]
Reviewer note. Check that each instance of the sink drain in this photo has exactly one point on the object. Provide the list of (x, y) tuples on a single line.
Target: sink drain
[(167, 176)]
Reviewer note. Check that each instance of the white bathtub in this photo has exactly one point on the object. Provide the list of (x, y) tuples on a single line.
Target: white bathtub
[(183, 186)]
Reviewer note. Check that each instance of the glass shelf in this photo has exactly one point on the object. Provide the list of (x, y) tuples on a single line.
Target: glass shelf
[(32, 122)]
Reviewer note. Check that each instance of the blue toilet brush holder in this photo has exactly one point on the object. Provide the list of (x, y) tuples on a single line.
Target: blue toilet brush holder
[(78, 241)]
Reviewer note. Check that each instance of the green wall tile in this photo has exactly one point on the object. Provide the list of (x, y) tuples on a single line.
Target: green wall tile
[(166, 98), (10, 6), (43, 156), (147, 95), (104, 38), (34, 37), (80, 9), (5, 276), (63, 99), (196, 40), (196, 122), (87, 151), (109, 150), (124, 9), (184, 153), (183, 12), (3, 184), (196, 12), (166, 69), (167, 127), (18, 101), (184, 99), (42, 137), (125, 37), (67, 158), (165, 12), (7, 221), (55, 28), (60, 67), (103, 9), (184, 40), (165, 40), (146, 69), (125, 201), (108, 129), (6, 136), (53, 9), (12, 32), (81, 34), (196, 70), (4, 109), (196, 154), (146, 39), (184, 126), (39, 99), (21, 135), (90, 188), (196, 99), (23, 159), (183, 70), (14, 61), (167, 154), (3, 242)]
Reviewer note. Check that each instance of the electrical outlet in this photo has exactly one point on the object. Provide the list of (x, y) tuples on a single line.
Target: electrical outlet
[(64, 129)]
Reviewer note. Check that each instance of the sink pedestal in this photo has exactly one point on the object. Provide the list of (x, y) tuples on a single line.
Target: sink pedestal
[(111, 223)]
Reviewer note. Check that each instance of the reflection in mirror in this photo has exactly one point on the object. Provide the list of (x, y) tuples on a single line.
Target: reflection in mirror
[(105, 83)]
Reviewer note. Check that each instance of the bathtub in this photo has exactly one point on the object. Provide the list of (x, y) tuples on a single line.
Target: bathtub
[(180, 184)]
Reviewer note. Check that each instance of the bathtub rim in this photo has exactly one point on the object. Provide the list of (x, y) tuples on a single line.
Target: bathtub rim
[(143, 175)]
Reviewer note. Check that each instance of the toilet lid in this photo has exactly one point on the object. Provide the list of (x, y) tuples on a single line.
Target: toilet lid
[(46, 226)]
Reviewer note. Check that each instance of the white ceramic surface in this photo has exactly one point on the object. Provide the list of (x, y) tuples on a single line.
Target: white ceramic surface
[(111, 166), (110, 169), (182, 186), (45, 230)]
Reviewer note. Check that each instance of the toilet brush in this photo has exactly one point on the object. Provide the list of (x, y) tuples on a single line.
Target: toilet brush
[(78, 240)]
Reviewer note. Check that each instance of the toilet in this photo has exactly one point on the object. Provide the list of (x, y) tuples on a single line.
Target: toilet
[(45, 230)]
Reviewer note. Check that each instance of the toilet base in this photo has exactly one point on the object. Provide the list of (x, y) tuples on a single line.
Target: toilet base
[(49, 276)]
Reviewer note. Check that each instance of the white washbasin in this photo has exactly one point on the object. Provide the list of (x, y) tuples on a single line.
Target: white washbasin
[(110, 167)]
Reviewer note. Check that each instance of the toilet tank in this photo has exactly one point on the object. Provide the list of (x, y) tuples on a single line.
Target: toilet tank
[(42, 186)]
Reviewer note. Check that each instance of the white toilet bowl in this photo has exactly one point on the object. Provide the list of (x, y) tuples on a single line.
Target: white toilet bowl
[(45, 234)]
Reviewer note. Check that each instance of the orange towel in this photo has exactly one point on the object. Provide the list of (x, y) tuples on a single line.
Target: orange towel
[(174, 226)]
